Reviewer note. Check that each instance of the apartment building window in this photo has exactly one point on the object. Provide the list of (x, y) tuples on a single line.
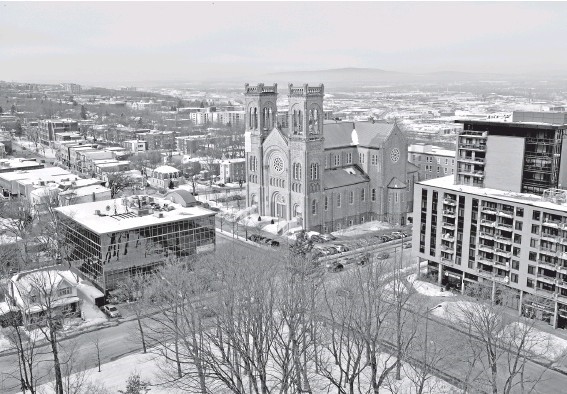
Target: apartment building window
[(413, 157), (445, 170), (531, 269), (351, 197), (349, 158), (339, 200), (514, 278), (516, 251), (438, 170), (518, 225), (520, 212), (337, 160), (374, 160), (532, 257), (438, 161), (515, 265), (535, 229), (446, 161), (361, 158), (533, 243), (362, 195), (452, 171), (530, 283), (373, 195), (536, 215), (452, 162), (517, 239)]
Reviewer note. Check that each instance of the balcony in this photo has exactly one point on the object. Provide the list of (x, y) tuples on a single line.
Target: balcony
[(548, 251), (448, 201), (501, 265), (504, 226), (560, 297), (504, 240), (549, 238), (489, 210), (546, 264), (561, 283), (473, 134), (486, 235), (446, 260), (486, 274), (447, 249), (503, 253), (506, 213), (448, 237), (480, 147), (470, 160), (486, 248), (561, 268), (546, 279), (489, 223), (552, 223), (448, 225), (562, 240), (450, 213), (485, 260), (545, 293), (500, 278)]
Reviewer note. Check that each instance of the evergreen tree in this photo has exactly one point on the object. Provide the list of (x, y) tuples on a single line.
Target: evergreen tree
[(83, 112), (135, 385), (13, 109)]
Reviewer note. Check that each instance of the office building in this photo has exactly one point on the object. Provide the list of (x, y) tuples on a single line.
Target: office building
[(432, 161)]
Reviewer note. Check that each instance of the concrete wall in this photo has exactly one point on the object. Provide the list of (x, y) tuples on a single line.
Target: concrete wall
[(504, 163)]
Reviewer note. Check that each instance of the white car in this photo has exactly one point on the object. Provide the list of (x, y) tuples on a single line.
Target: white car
[(111, 311)]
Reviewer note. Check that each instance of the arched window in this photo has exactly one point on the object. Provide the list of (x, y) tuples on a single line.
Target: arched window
[(326, 203), (351, 197), (362, 195), (314, 207), (314, 171), (373, 195), (297, 171)]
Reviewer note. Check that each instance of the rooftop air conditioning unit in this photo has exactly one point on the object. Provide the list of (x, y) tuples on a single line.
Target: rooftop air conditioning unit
[(97, 212), (158, 214)]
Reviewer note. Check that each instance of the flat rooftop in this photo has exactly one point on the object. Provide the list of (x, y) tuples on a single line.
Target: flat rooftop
[(35, 174), (120, 214), (512, 125), (447, 183)]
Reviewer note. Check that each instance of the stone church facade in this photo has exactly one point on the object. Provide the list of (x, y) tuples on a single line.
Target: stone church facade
[(325, 175)]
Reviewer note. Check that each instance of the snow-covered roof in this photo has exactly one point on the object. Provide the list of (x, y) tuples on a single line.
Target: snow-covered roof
[(85, 191), (447, 183), (165, 169), (119, 214)]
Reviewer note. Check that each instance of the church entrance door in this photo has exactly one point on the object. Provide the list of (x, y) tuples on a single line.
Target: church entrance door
[(279, 206)]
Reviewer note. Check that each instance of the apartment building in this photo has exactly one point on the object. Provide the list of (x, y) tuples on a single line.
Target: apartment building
[(233, 170), (48, 128), (432, 161), (494, 222)]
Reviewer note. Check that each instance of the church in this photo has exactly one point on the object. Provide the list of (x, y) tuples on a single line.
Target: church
[(323, 175)]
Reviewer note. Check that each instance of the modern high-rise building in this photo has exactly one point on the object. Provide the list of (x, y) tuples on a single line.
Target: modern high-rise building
[(501, 220)]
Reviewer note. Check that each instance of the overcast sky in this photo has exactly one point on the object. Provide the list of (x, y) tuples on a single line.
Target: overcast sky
[(113, 42)]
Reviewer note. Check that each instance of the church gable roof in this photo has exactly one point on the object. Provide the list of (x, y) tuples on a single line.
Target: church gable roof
[(276, 136), (344, 177), (395, 183), (339, 134), (411, 167)]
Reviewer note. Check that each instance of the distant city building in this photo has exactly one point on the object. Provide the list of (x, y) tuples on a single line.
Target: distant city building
[(50, 127), (163, 177), (233, 170), (72, 88), (432, 161), (323, 176), (108, 241), (501, 220)]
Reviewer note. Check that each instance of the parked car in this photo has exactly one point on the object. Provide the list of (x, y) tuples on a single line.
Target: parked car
[(397, 234), (386, 238), (341, 248), (328, 237), (111, 311), (383, 255), (318, 238), (334, 266), (407, 245)]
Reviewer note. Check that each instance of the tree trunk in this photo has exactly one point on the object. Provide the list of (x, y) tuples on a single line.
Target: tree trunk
[(141, 332), (56, 362)]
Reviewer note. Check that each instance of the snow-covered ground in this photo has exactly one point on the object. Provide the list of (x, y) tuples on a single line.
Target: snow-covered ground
[(361, 229), (538, 342), (42, 150), (428, 289), (114, 375), (5, 343), (454, 311)]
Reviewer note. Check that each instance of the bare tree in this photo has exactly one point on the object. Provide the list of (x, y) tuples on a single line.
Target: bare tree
[(503, 342)]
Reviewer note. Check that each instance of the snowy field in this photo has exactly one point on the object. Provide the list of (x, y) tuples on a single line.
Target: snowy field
[(362, 229), (5, 343), (454, 311), (427, 289), (114, 375), (540, 343)]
